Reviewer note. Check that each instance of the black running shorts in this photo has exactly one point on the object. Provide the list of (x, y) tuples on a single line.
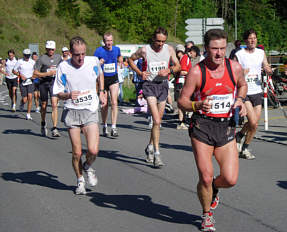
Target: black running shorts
[(108, 81), (210, 132), (255, 99)]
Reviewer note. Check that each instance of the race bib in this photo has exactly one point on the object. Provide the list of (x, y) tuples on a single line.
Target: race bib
[(252, 78), (53, 67), (110, 68), (221, 104), (181, 80), (27, 82), (85, 98), (155, 67)]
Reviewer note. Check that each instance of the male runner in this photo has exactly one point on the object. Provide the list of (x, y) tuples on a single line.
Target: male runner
[(24, 68), (65, 53), (76, 83), (45, 70), (109, 56), (218, 86), (158, 56), (36, 82), (11, 79), (185, 65), (252, 59)]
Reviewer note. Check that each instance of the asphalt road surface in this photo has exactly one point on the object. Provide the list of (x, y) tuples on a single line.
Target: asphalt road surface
[(37, 182)]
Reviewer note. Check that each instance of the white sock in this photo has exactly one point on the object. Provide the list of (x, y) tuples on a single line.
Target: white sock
[(81, 179), (114, 126)]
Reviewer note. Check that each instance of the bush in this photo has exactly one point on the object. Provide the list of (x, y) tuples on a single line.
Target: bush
[(129, 91), (42, 8)]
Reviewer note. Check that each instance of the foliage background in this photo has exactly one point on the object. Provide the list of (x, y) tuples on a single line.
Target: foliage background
[(133, 21)]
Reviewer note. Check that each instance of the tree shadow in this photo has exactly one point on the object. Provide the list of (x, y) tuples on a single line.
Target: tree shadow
[(21, 132), (282, 184), (143, 205), (40, 178)]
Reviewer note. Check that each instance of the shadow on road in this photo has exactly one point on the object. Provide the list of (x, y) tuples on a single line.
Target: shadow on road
[(12, 116), (119, 157), (177, 147), (282, 184), (40, 178), (143, 205)]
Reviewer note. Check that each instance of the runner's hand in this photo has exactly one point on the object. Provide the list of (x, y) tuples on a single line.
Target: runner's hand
[(239, 103), (145, 75), (75, 94)]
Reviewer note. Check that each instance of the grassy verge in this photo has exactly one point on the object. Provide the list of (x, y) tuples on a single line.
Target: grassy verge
[(129, 91)]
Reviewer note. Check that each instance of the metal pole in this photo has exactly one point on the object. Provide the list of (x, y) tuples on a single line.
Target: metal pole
[(235, 20)]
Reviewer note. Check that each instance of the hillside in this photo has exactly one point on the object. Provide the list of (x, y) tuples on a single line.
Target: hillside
[(19, 26)]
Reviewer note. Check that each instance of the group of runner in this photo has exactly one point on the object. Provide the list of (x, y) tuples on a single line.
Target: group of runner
[(212, 89)]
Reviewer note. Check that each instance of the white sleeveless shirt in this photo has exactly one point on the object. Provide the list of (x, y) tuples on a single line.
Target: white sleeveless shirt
[(252, 61), (157, 61)]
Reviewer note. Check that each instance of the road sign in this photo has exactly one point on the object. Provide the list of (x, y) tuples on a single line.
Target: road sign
[(194, 21), (214, 27), (214, 21), (195, 39), (194, 33), (197, 27), (190, 27)]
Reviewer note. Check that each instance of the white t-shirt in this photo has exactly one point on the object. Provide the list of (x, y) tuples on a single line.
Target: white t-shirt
[(252, 61), (9, 67), (25, 68), (83, 79)]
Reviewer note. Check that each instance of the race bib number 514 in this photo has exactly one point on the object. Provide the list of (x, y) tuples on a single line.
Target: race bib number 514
[(221, 104)]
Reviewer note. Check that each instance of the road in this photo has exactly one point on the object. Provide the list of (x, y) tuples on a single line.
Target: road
[(37, 181)]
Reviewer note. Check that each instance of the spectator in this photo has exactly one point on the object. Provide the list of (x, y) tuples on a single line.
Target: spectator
[(237, 44)]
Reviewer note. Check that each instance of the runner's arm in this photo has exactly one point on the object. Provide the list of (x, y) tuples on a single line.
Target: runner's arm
[(266, 66), (140, 53)]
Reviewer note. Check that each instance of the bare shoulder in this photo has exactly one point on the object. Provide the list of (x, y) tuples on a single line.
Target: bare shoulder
[(194, 75), (140, 53), (236, 67)]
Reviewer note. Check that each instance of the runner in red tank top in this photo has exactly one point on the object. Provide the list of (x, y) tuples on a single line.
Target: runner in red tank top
[(218, 86)]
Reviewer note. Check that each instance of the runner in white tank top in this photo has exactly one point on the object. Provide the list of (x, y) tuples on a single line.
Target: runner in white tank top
[(252, 60), (155, 87)]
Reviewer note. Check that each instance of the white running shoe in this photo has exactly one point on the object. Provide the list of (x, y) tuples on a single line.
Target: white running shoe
[(37, 110), (157, 162), (14, 108), (44, 131), (246, 154), (80, 190), (92, 178), (149, 155), (28, 117)]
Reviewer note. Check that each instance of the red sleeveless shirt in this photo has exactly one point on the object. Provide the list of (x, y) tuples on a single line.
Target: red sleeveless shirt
[(221, 91)]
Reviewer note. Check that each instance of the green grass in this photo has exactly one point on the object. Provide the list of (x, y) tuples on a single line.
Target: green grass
[(129, 91)]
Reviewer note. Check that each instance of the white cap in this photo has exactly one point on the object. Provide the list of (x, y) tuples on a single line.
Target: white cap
[(50, 44), (65, 49), (27, 51), (180, 47)]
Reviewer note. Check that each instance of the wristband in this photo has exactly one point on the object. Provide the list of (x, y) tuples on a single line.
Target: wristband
[(193, 106), (242, 98), (102, 90)]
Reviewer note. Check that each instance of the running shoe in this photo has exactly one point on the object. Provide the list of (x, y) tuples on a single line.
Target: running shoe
[(208, 222), (55, 133), (215, 197), (28, 117), (157, 162), (44, 131), (13, 108), (239, 143), (181, 126), (149, 155), (105, 131), (246, 154), (80, 190), (114, 132), (37, 110), (92, 178)]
